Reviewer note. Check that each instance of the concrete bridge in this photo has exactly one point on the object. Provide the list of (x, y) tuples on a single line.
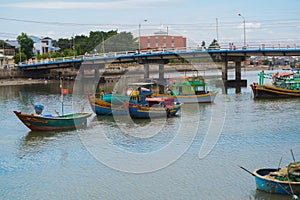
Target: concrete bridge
[(162, 58)]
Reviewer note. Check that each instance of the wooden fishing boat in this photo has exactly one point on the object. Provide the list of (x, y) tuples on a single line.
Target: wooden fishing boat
[(108, 104), (143, 105), (39, 122), (42, 122), (283, 85), (278, 180), (192, 89), (266, 182)]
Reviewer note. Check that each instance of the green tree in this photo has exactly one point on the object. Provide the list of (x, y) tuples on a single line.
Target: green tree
[(56, 55), (16, 58), (63, 44), (81, 44), (123, 41), (97, 38), (4, 44), (26, 44), (214, 44), (113, 41), (68, 52), (266, 62)]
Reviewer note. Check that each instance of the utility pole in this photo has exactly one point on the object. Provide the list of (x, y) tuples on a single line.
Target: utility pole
[(102, 42), (20, 55), (244, 21), (140, 35), (217, 29)]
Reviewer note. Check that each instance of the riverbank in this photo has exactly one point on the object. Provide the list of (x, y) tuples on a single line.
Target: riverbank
[(24, 81), (21, 81)]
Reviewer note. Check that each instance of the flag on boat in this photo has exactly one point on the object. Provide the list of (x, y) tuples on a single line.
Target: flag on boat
[(64, 91)]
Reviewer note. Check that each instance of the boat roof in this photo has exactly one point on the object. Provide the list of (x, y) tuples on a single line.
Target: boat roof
[(155, 99), (283, 74), (140, 84), (194, 76)]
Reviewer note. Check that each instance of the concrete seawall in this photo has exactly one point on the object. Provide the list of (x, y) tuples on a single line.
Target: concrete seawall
[(11, 73)]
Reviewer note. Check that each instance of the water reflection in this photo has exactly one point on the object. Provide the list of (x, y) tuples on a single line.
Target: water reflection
[(35, 142), (261, 195)]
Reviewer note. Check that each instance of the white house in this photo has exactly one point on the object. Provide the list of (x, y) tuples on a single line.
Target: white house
[(43, 45)]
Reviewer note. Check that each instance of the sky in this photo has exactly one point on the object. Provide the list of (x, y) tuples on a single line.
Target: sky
[(270, 22)]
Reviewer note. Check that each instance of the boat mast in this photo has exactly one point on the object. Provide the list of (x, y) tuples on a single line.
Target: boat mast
[(61, 97)]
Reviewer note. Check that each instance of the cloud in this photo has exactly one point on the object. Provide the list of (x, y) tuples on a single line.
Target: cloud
[(89, 5), (250, 25)]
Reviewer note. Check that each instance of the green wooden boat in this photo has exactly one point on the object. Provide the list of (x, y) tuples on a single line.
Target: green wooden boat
[(39, 122), (284, 85)]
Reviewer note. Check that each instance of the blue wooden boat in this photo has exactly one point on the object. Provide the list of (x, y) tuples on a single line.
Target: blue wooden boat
[(143, 105), (108, 104), (40, 122), (267, 183), (284, 181)]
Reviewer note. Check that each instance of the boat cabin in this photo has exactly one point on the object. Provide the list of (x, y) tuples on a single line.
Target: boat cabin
[(287, 80), (192, 85)]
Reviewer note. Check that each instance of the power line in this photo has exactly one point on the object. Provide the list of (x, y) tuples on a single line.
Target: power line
[(295, 22)]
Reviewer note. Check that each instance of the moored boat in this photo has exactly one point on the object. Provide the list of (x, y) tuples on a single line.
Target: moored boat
[(284, 181), (192, 89), (108, 104), (143, 105), (39, 122), (267, 182), (283, 85), (48, 122)]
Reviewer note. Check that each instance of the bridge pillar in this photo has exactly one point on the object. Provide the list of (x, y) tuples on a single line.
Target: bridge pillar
[(146, 71), (238, 70), (161, 77), (161, 72), (225, 70)]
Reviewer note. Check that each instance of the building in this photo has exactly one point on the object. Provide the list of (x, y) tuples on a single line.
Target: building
[(8, 52), (43, 45), (48, 45), (161, 40)]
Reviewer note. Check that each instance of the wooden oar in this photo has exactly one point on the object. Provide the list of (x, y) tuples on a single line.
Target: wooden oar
[(293, 155), (246, 170)]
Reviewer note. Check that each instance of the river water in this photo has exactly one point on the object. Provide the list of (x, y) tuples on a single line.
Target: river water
[(191, 156)]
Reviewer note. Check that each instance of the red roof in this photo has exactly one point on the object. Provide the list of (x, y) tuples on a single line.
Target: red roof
[(283, 74)]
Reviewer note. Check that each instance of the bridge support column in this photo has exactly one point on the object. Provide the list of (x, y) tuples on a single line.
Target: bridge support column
[(161, 77), (238, 70), (225, 70), (80, 80), (146, 71), (238, 77), (161, 72)]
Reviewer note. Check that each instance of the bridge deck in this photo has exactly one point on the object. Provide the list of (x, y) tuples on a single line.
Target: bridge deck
[(122, 57)]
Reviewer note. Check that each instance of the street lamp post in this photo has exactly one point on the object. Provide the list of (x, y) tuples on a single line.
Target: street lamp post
[(244, 21), (102, 42), (140, 35)]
